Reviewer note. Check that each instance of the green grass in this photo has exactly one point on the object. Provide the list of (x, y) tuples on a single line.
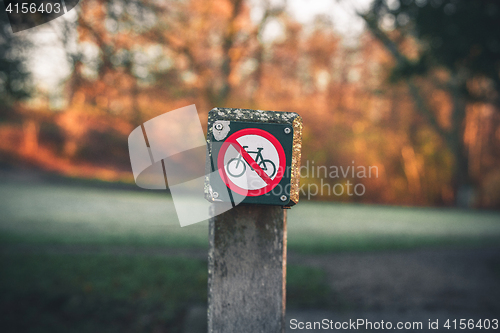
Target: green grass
[(63, 293), (102, 293), (316, 227), (45, 213), (308, 288), (67, 215), (112, 293)]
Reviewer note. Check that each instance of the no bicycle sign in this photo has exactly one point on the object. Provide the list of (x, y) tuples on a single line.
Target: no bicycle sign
[(251, 161)]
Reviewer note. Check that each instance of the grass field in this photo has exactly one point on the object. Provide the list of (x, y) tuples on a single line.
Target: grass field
[(99, 292), (103, 293), (43, 212)]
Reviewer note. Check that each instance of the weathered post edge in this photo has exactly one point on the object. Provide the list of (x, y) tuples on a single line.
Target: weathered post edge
[(247, 255)]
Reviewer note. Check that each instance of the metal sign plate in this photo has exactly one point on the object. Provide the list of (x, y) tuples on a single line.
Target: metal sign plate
[(250, 162)]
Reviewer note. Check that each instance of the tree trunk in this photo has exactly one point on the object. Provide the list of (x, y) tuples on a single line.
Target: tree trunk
[(463, 186)]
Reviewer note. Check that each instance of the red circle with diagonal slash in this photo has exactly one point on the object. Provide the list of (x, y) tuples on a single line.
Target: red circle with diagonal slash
[(271, 183)]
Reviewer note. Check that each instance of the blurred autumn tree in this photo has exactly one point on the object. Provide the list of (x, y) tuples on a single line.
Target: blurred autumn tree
[(14, 76), (137, 59), (458, 53), (15, 84), (133, 60)]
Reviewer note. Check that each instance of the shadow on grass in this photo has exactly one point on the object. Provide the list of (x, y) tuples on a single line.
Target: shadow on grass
[(104, 293), (61, 293)]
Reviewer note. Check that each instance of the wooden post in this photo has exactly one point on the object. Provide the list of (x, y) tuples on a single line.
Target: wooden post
[(247, 270), (247, 256)]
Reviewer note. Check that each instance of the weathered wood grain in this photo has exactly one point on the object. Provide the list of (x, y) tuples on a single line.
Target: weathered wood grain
[(247, 265)]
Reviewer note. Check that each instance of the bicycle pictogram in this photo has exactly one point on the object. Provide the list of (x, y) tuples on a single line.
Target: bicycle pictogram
[(265, 158), (237, 166)]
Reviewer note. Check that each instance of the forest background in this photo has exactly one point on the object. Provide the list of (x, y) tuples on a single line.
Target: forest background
[(416, 93)]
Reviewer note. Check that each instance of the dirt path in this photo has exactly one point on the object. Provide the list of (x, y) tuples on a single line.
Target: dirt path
[(418, 280)]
